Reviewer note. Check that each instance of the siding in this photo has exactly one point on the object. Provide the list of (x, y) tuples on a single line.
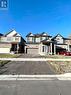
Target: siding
[(5, 45)]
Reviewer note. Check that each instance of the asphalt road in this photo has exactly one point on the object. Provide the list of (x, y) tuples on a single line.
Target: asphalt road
[(35, 87)]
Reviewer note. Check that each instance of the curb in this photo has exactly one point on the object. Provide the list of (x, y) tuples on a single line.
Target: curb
[(34, 59), (66, 76)]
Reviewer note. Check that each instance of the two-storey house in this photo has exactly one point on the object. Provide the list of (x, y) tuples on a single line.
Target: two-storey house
[(38, 43), (45, 44), (12, 42), (61, 43)]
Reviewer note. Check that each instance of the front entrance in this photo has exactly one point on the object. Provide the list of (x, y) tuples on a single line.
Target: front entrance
[(21, 48), (47, 48), (13, 48)]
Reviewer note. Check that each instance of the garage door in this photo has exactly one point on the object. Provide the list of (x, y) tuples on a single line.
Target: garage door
[(4, 50), (32, 51)]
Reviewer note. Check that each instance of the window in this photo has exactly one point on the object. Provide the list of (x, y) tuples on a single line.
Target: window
[(43, 49), (43, 38), (37, 39), (59, 40), (9, 39), (17, 39), (29, 39)]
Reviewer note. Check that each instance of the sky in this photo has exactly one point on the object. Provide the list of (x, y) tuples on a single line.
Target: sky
[(37, 16)]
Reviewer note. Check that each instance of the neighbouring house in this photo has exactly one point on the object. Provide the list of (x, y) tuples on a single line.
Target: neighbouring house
[(45, 44), (12, 42), (38, 43), (61, 43), (1, 34)]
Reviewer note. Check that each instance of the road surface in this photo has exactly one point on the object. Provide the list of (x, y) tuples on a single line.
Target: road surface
[(35, 87)]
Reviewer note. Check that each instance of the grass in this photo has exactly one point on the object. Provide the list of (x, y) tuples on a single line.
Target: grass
[(9, 55), (2, 63), (57, 56), (61, 67)]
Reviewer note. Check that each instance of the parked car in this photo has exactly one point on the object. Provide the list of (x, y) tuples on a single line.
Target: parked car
[(66, 53)]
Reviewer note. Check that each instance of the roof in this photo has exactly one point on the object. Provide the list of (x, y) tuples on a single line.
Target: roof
[(56, 36), (61, 44), (43, 34), (1, 34), (29, 34), (8, 32), (61, 36), (67, 38), (47, 41), (13, 33)]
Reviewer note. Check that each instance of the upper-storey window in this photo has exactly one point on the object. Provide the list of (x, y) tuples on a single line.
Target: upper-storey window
[(59, 40), (37, 39), (29, 39), (44, 38)]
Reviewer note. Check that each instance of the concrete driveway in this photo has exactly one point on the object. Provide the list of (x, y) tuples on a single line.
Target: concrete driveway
[(27, 68), (31, 56)]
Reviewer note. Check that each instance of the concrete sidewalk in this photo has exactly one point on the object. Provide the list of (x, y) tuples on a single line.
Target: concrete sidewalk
[(66, 76), (34, 59)]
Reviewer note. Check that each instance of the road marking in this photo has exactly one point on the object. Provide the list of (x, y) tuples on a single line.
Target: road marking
[(34, 59)]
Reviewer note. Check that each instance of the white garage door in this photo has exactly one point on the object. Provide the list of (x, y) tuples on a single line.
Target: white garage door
[(32, 51), (4, 50)]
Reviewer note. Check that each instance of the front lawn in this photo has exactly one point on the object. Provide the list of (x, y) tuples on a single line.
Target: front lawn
[(2, 63), (57, 56), (61, 67), (9, 55)]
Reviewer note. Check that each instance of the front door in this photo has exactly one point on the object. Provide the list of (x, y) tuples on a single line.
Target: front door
[(14, 47)]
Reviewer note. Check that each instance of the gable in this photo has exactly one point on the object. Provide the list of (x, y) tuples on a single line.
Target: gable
[(12, 33), (18, 35), (44, 33), (30, 35), (59, 37)]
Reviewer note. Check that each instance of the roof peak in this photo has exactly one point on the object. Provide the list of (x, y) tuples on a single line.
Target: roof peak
[(37, 34)]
